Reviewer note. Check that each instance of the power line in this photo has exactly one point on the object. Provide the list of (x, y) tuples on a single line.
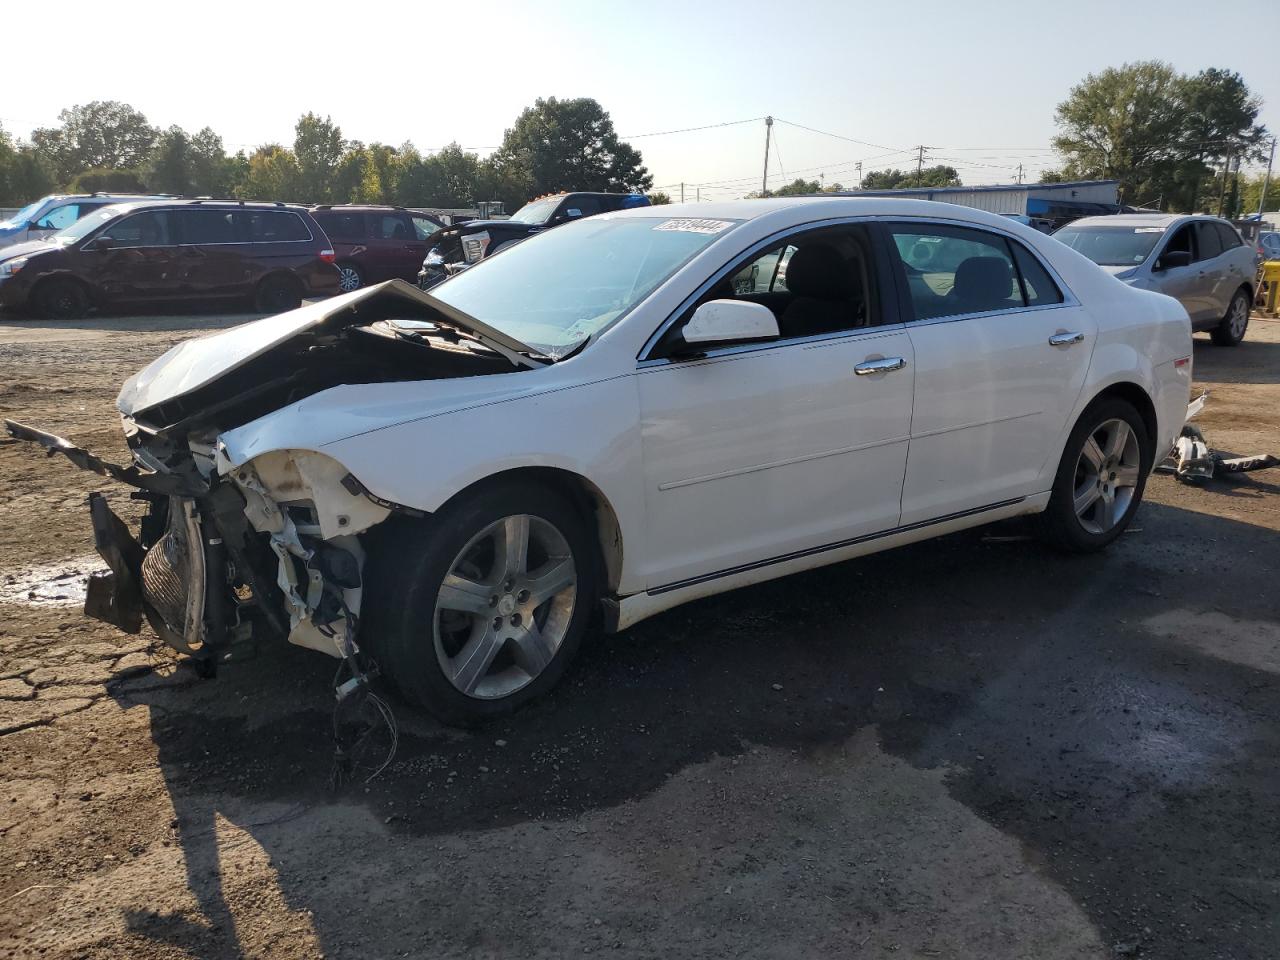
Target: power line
[(838, 136), (709, 126)]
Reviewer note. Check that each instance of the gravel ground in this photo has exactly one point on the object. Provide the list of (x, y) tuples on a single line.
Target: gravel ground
[(1052, 757)]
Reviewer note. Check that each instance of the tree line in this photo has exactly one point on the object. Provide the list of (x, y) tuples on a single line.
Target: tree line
[(1173, 140), (106, 145)]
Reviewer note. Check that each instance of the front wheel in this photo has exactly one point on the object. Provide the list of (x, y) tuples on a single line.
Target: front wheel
[(1100, 479), (62, 300), (1233, 326), (480, 608)]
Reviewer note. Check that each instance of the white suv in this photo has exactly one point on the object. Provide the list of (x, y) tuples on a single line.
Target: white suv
[(50, 214)]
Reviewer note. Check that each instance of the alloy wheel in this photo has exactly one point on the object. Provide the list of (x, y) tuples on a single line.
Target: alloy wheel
[(1106, 476), (348, 279), (505, 606), (1238, 321)]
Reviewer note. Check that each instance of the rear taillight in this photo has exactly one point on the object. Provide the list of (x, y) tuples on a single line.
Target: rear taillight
[(328, 256)]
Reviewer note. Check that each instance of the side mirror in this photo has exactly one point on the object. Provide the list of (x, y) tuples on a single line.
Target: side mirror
[(1173, 258), (103, 243), (730, 321)]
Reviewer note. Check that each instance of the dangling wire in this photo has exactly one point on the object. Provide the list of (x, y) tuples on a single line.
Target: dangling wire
[(356, 686)]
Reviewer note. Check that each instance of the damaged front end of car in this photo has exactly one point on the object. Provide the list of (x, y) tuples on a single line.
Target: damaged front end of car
[(236, 544)]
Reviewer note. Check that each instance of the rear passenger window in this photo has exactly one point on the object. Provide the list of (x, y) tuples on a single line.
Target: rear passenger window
[(955, 270), (207, 226), (1208, 239), (390, 226), (1230, 238), (1038, 288), (343, 226), (273, 226), (59, 218)]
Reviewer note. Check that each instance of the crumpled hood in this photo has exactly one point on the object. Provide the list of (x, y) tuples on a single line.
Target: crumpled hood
[(196, 363)]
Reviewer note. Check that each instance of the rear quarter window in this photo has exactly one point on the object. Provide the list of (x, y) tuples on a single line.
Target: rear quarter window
[(343, 226), (273, 226)]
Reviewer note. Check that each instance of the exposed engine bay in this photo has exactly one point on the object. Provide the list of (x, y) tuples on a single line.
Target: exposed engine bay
[(229, 552)]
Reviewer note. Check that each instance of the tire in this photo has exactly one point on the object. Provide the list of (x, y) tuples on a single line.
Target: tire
[(349, 278), (1091, 507), (1232, 329), (62, 300), (278, 294), (421, 639)]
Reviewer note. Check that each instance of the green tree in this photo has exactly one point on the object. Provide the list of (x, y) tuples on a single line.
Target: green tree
[(170, 168), (108, 181), (317, 148), (567, 145), (1161, 134), (104, 134), (1251, 193), (658, 198), (272, 173), (1053, 176), (939, 175), (24, 174)]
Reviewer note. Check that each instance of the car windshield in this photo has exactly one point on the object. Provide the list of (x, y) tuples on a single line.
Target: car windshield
[(539, 211), (555, 290), (23, 216), (1112, 245), (86, 225)]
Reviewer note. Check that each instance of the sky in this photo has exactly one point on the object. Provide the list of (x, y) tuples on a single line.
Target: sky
[(976, 82)]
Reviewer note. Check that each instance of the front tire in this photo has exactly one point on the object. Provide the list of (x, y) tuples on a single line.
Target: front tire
[(480, 608), (1101, 478), (1231, 330), (62, 300)]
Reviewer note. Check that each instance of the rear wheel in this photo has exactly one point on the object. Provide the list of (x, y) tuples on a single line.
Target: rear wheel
[(1233, 326), (278, 294), (1100, 479), (349, 277), (481, 608), (62, 300)]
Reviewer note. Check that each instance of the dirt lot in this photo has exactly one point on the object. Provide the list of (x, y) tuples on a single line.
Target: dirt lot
[(971, 748)]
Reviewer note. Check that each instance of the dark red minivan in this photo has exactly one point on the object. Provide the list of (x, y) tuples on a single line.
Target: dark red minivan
[(376, 243), (269, 255)]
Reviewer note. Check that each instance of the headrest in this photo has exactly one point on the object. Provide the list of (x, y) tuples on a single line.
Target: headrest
[(817, 270)]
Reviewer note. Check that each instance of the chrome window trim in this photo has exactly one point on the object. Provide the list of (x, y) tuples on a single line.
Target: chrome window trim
[(644, 360), (730, 352)]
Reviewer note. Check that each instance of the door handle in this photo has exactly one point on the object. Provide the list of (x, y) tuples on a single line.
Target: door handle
[(868, 367), (1065, 339)]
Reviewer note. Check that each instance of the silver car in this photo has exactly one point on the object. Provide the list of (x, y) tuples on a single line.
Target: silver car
[(1201, 261), (48, 215)]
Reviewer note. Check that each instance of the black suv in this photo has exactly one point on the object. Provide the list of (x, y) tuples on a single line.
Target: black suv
[(461, 246), (375, 243), (270, 255)]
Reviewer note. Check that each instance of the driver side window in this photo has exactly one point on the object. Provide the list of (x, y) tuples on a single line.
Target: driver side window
[(59, 218), (1181, 242)]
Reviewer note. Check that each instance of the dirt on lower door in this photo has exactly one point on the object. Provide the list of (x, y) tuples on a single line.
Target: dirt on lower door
[(968, 748)]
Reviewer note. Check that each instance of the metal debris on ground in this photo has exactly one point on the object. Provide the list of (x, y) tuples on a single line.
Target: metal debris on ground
[(1191, 459)]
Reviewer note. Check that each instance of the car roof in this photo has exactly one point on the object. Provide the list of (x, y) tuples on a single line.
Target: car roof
[(1143, 219), (131, 205), (803, 209)]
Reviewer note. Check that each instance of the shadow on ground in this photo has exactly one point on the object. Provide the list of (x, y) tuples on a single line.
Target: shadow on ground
[(1140, 775)]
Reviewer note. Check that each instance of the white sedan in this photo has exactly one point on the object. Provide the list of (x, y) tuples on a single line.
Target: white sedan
[(622, 415)]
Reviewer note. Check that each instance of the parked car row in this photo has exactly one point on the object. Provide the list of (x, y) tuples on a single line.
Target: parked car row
[(65, 255)]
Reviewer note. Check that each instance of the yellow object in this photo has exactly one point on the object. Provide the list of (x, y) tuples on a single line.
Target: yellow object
[(1271, 275)]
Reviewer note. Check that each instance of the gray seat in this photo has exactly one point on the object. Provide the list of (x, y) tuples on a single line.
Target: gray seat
[(827, 290), (982, 284)]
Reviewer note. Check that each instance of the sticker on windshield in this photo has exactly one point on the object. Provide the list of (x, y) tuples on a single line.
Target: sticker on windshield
[(1148, 229), (695, 226)]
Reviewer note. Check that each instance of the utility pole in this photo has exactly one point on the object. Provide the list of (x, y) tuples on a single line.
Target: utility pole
[(1019, 173), (859, 169), (768, 134), (682, 192), (699, 195), (1222, 190), (1266, 180), (920, 162)]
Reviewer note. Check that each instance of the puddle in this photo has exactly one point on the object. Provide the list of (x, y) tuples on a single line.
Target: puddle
[(50, 584)]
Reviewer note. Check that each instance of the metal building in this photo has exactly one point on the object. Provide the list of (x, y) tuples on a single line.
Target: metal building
[(1047, 201)]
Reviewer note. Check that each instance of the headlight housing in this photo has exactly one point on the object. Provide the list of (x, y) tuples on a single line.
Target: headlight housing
[(10, 267), (434, 259)]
